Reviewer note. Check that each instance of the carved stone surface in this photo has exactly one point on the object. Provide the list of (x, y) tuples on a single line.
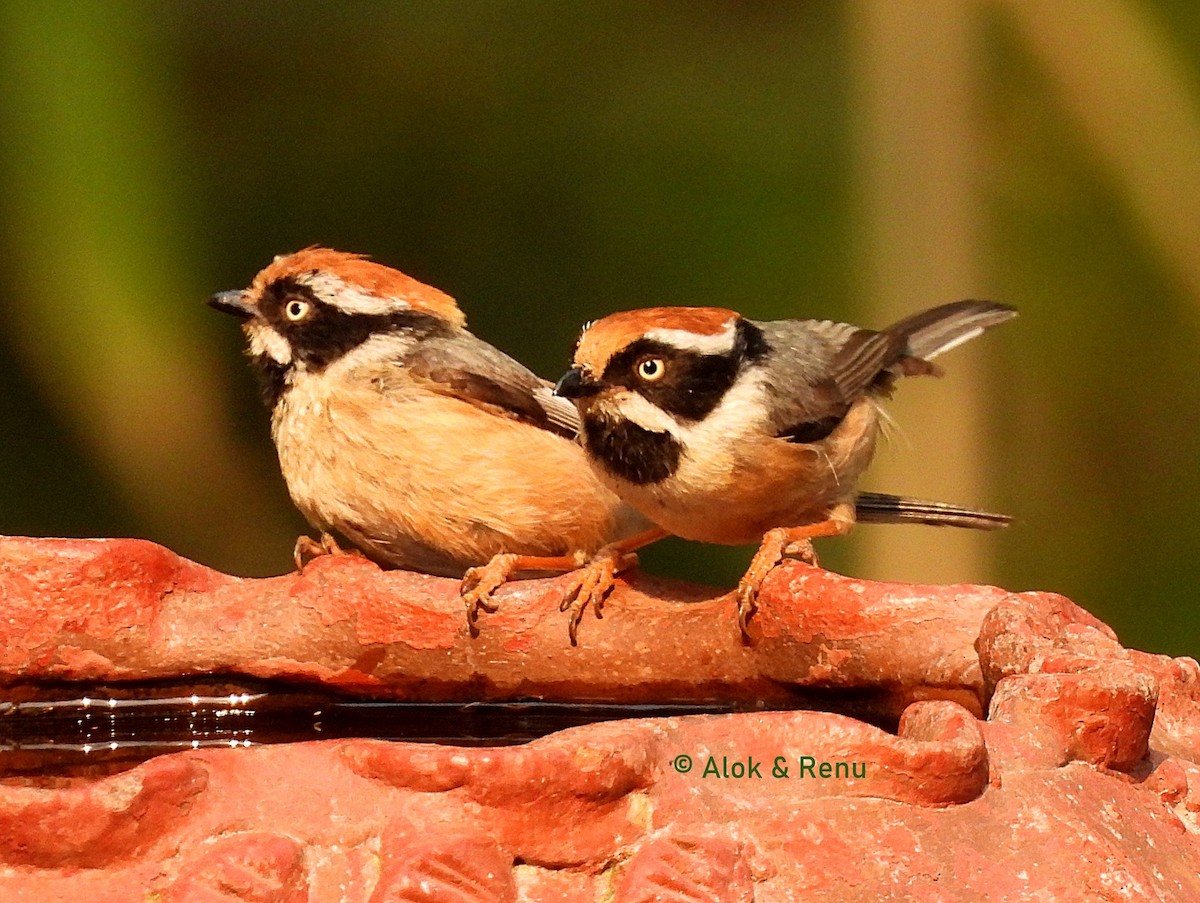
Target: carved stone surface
[(111, 610), (1082, 784)]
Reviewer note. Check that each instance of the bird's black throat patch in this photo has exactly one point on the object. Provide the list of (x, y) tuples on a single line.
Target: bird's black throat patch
[(632, 452), (272, 378)]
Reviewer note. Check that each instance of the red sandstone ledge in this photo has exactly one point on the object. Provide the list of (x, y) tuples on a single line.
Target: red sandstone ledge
[(1082, 783), (119, 610)]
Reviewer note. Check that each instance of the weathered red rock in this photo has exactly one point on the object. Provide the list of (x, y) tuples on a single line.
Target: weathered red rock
[(1051, 663), (119, 610), (1084, 782), (604, 812)]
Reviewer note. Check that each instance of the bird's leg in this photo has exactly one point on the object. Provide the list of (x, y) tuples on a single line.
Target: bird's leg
[(595, 576), (594, 580), (307, 549), (480, 583), (783, 542)]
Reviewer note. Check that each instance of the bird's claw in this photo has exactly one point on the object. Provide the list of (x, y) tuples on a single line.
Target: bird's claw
[(746, 606), (307, 549), (479, 585), (591, 585), (775, 547), (803, 550)]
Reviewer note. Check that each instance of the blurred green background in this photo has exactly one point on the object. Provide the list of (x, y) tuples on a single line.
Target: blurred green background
[(546, 163)]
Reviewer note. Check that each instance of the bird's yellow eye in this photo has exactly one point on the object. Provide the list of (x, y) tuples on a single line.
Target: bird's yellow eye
[(296, 310), (651, 368)]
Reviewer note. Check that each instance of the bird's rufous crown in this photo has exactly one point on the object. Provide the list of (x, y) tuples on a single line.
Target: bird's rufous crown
[(362, 274), (606, 337)]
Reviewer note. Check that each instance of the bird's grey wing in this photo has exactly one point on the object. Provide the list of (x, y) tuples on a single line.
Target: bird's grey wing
[(817, 369), (824, 366), (470, 369), (872, 362)]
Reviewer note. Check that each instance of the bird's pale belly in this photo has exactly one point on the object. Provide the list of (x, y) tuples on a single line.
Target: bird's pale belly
[(411, 488), (735, 497), (731, 515)]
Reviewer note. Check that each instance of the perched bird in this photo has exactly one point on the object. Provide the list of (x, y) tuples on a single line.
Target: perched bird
[(728, 430), (422, 445)]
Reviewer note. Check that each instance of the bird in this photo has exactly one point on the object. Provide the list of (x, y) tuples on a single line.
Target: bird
[(420, 444), (724, 429)]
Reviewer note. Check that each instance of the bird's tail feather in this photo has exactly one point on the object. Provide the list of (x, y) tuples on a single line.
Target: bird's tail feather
[(883, 508), (935, 331)]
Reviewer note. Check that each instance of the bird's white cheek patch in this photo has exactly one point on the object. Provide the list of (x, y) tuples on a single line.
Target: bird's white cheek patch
[(636, 409), (265, 341), (715, 444), (741, 411)]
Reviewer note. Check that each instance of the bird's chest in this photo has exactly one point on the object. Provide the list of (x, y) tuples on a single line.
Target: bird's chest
[(690, 485), (730, 494), (320, 439), (731, 486)]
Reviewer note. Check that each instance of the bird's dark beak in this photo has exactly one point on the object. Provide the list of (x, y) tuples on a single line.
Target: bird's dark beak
[(575, 385), (232, 303)]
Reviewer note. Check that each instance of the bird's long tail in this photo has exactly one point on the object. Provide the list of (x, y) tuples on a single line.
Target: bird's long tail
[(883, 508)]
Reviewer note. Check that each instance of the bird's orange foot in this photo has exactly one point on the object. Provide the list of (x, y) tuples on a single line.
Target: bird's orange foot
[(591, 584), (479, 584), (765, 561), (780, 543), (307, 549)]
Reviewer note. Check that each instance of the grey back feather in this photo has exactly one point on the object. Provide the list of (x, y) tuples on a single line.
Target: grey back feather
[(466, 367), (819, 367)]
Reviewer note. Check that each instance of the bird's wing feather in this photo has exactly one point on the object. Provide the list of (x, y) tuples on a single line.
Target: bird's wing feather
[(929, 333), (822, 367), (817, 369), (467, 368)]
